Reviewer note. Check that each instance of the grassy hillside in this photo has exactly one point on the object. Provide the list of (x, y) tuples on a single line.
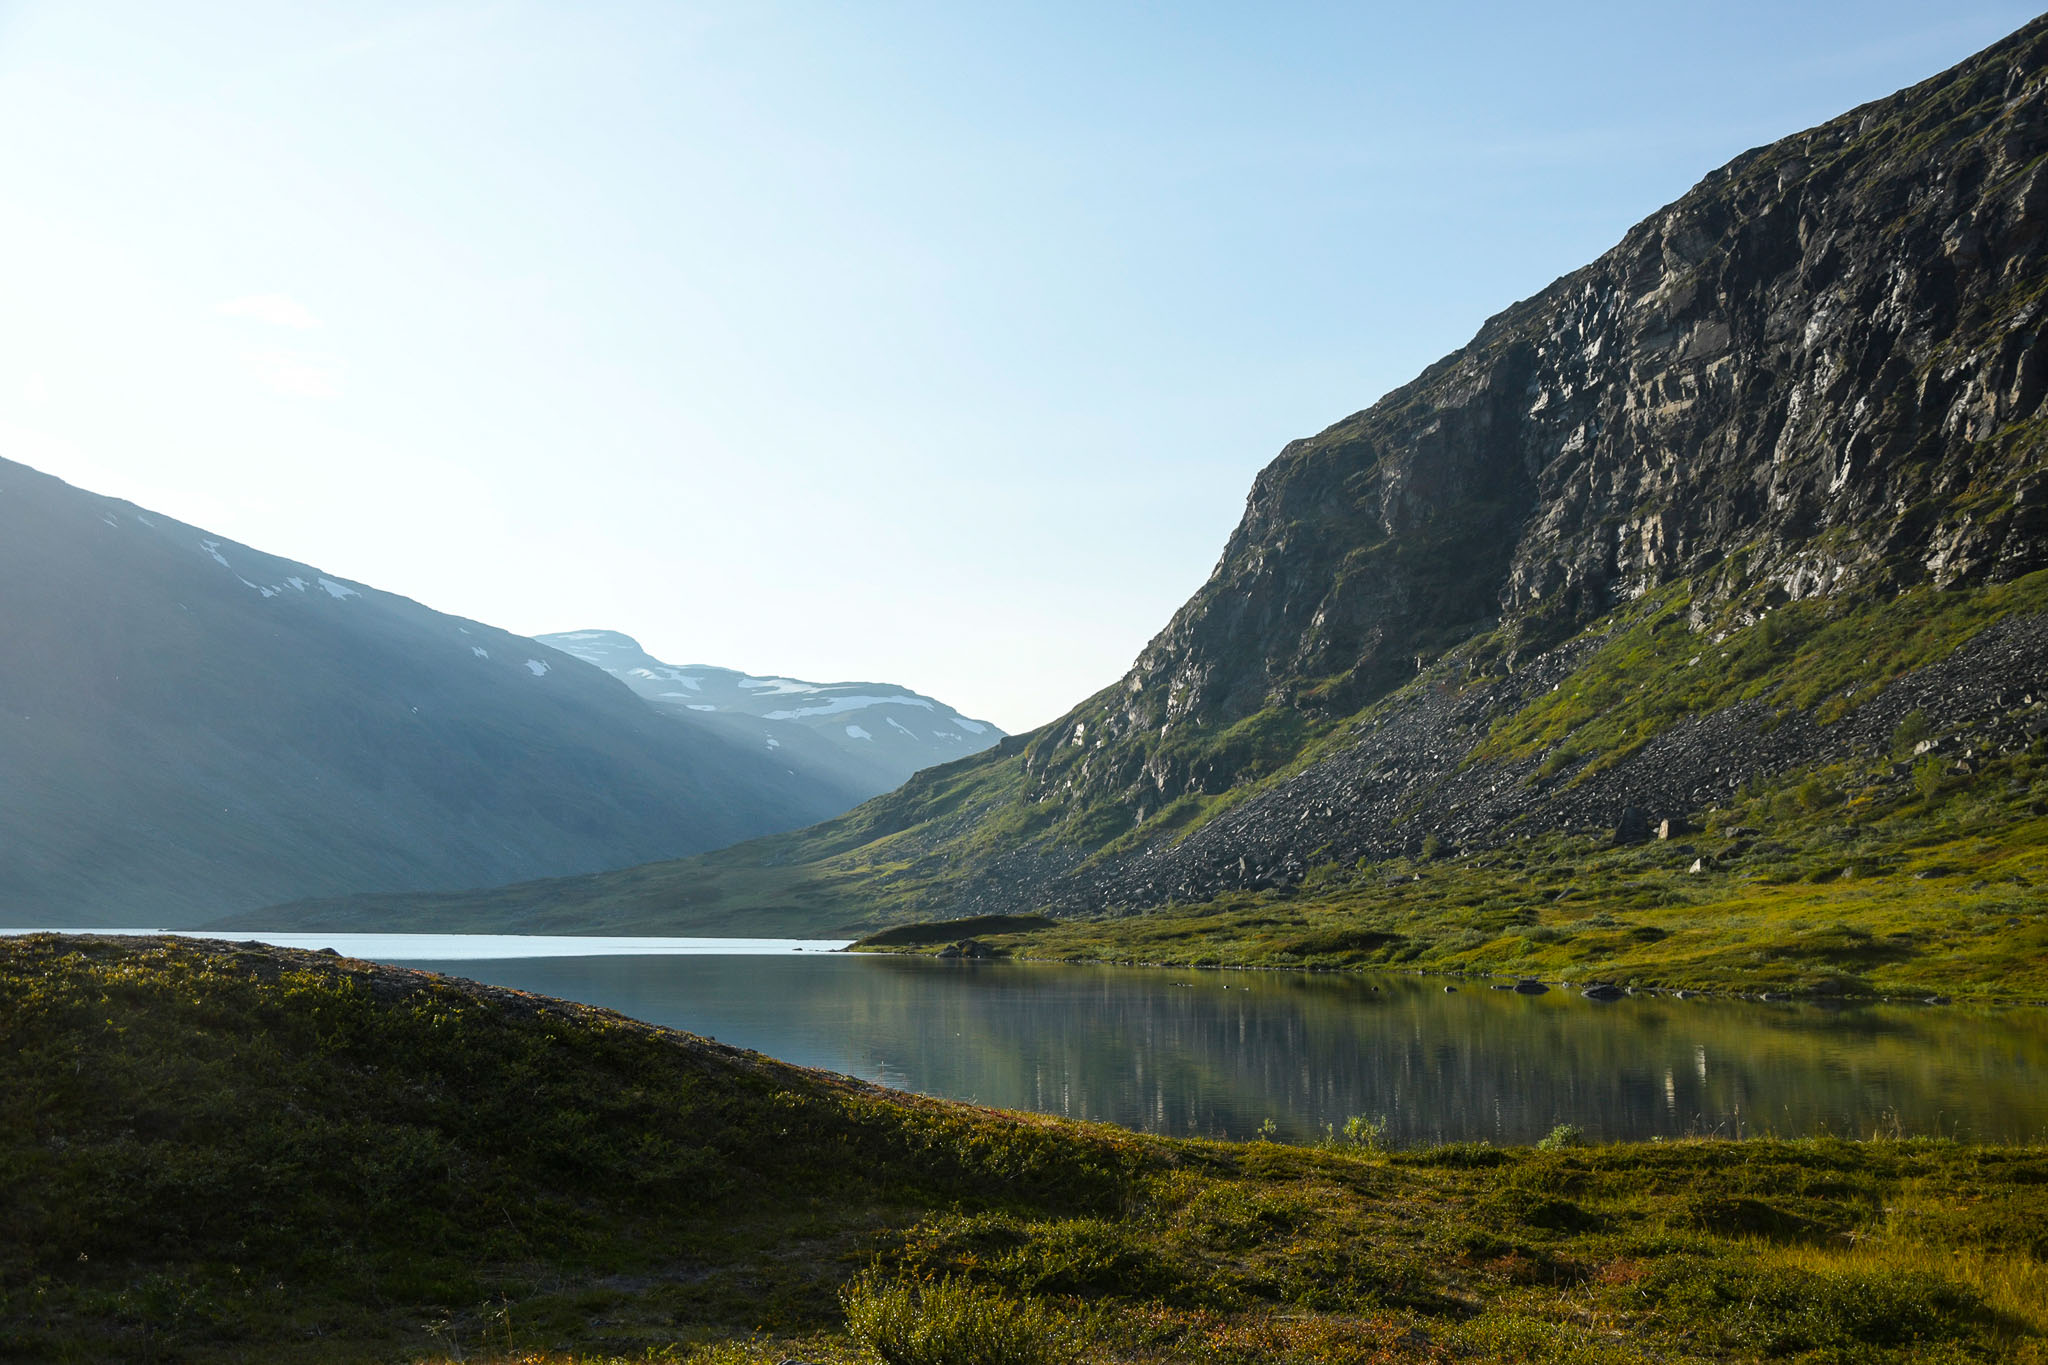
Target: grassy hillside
[(1912, 865), (222, 1153)]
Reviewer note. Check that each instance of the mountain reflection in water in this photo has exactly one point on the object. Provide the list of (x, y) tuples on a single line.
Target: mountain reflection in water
[(1216, 1053)]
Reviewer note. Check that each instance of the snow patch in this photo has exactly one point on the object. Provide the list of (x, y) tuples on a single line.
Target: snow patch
[(300, 584), (144, 520), (855, 732), (702, 706), (834, 705), (774, 743), (212, 547), (776, 687), (338, 590), (894, 724), (970, 726), (480, 651), (539, 667)]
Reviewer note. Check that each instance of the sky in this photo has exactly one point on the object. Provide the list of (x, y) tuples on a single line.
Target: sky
[(925, 343)]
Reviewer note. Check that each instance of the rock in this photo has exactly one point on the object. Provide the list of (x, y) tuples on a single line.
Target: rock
[(1603, 991), (1450, 990), (1938, 1000), (1529, 985), (1633, 827), (1698, 865), (1671, 826)]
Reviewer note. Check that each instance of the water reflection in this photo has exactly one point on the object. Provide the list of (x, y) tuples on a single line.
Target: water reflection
[(1215, 1053)]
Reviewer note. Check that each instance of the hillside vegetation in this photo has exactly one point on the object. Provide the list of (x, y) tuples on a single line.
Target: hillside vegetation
[(213, 1152)]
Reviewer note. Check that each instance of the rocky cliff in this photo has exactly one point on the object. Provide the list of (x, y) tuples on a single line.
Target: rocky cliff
[(1818, 371)]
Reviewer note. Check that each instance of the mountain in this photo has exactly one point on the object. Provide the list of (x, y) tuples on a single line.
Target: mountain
[(190, 727), (1746, 521), (866, 737)]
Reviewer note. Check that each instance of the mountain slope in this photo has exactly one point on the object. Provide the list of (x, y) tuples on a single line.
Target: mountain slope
[(190, 727), (1721, 514), (866, 737)]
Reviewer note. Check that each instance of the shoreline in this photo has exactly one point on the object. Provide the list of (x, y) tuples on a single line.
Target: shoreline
[(1765, 997)]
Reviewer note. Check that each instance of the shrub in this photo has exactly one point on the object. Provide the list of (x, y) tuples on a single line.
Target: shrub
[(949, 1322), (1563, 1136), (1359, 1132), (1816, 795), (1912, 729), (1927, 778)]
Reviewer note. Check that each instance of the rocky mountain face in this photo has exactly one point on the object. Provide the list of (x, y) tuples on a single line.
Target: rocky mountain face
[(189, 727), (1815, 377), (1736, 500), (864, 738), (1817, 371)]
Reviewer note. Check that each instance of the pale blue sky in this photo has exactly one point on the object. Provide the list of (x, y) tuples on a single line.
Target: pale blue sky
[(934, 343)]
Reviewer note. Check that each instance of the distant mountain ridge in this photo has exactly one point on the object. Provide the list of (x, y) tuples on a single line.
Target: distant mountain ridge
[(1753, 494), (869, 736), (191, 727)]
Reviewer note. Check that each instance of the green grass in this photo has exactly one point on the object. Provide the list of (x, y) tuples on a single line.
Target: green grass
[(212, 1153), (1876, 890), (1824, 656)]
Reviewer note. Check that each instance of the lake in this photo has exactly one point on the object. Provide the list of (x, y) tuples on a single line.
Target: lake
[(1217, 1053)]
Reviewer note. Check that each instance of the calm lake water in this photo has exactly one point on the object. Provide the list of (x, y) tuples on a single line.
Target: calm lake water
[(1215, 1053)]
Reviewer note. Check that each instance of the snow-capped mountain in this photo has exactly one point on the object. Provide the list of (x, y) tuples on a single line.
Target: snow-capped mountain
[(190, 727), (877, 734)]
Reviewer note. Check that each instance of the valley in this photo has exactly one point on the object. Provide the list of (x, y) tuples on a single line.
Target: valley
[(1682, 634), (1736, 531)]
